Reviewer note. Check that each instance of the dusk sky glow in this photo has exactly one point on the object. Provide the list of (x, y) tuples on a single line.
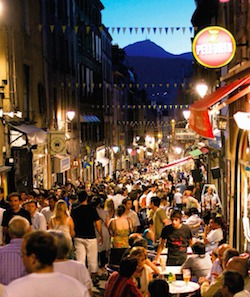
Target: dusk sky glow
[(151, 14)]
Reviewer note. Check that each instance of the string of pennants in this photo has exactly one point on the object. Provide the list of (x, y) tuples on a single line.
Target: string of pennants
[(120, 30), (145, 123), (130, 85), (144, 106)]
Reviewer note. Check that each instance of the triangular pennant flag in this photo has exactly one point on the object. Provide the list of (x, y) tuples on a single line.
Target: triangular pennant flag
[(118, 106), (113, 29), (148, 29), (167, 85), (123, 86), (118, 29), (153, 85), (52, 27), (77, 85), (145, 85), (160, 30), (166, 30), (172, 30), (130, 86), (183, 30), (159, 106), (191, 30), (115, 85), (139, 106), (107, 28), (100, 85), (84, 85), (136, 30), (39, 27), (177, 28), (76, 29), (124, 30), (92, 85), (170, 106), (87, 29), (176, 106), (137, 85), (100, 29), (175, 85), (69, 84), (154, 29), (64, 28), (142, 30), (144, 106), (130, 30), (165, 106)]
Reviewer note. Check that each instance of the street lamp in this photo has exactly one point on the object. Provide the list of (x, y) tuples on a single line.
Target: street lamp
[(70, 115), (202, 88)]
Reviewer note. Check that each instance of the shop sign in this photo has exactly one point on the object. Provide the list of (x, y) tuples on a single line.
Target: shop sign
[(214, 47)]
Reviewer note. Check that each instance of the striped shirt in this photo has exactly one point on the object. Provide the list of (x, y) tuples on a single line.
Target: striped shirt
[(120, 286), (11, 262)]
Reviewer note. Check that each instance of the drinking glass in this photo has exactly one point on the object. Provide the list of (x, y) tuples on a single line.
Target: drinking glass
[(186, 273)]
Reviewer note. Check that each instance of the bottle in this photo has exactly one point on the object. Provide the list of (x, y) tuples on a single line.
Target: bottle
[(170, 277), (173, 278)]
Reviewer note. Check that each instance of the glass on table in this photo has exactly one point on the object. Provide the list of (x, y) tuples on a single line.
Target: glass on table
[(186, 273)]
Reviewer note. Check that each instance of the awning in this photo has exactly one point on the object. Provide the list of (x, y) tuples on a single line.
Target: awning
[(5, 168), (35, 135), (90, 119), (104, 161), (199, 120), (174, 164)]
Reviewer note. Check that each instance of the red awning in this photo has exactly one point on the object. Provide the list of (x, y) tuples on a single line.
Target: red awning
[(199, 120), (174, 164)]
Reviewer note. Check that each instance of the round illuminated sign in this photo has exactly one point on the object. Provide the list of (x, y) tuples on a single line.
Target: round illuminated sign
[(214, 47)]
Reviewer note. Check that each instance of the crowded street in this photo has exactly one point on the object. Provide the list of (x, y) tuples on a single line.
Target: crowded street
[(124, 148)]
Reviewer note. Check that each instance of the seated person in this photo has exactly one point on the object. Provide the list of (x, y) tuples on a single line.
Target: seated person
[(194, 221), (149, 234), (199, 262), (213, 234), (145, 269), (158, 288), (120, 283), (233, 285)]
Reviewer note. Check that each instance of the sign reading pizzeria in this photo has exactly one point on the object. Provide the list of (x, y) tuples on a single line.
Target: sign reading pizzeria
[(214, 47)]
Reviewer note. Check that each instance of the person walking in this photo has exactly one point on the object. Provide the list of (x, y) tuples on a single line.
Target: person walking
[(86, 218)]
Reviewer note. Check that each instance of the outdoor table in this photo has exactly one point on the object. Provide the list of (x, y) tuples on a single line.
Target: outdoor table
[(173, 269), (179, 287)]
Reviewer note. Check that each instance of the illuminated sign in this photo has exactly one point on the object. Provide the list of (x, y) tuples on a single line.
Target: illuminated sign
[(214, 47)]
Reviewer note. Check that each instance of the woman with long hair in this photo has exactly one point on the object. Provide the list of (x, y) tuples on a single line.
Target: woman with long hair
[(61, 220)]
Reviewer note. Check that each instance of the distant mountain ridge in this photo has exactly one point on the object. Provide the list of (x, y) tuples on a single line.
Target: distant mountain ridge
[(147, 48), (159, 70)]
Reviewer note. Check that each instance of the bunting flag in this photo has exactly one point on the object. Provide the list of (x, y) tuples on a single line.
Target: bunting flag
[(131, 85), (149, 106), (118, 30)]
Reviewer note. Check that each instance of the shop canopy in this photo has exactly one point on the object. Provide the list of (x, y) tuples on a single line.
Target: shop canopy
[(175, 163), (199, 120)]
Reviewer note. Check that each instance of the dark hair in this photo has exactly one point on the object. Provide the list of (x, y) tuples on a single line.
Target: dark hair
[(233, 280), (82, 196), (96, 200), (193, 210), (156, 201), (230, 253), (176, 214), (199, 248), (33, 201), (120, 210), (14, 194), (53, 197), (218, 220), (43, 245), (128, 267), (158, 288), (140, 242), (125, 200)]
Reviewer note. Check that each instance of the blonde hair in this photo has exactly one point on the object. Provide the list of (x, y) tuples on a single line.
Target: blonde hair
[(60, 207), (109, 204)]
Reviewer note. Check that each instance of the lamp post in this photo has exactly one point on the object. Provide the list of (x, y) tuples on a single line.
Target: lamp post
[(201, 89)]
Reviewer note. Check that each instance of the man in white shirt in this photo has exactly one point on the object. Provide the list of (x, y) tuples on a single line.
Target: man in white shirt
[(39, 251), (178, 199), (127, 202), (213, 234), (38, 219), (118, 197), (48, 210)]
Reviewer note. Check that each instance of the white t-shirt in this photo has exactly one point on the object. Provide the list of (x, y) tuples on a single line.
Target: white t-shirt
[(214, 237), (76, 270), (52, 284), (134, 218)]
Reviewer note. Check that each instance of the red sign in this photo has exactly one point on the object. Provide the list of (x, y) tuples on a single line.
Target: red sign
[(214, 47)]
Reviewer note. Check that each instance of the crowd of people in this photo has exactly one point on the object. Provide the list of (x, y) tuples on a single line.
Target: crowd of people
[(62, 241)]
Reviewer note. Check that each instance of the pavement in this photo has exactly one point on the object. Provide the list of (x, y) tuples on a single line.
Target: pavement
[(99, 289)]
